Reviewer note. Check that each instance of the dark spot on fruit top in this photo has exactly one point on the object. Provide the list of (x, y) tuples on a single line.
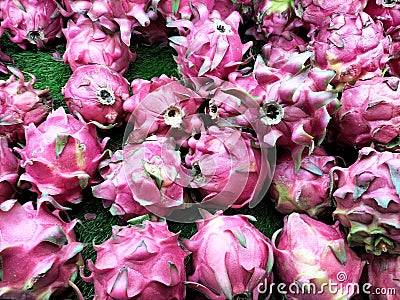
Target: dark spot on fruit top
[(171, 113), (213, 109), (389, 3), (196, 167), (33, 35), (271, 111), (243, 296), (106, 96), (221, 28)]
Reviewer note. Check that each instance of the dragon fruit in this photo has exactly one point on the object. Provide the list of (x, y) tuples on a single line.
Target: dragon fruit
[(97, 93), (212, 45), (314, 12), (21, 104), (279, 48), (305, 191), (163, 109), (8, 171), (119, 15), (67, 151), (226, 167), (352, 45), (88, 43), (115, 190), (315, 256), (383, 277), (388, 12), (369, 113), (231, 258), (139, 262), (141, 88), (156, 175), (367, 196), (39, 252), (296, 101), (37, 22), (273, 18)]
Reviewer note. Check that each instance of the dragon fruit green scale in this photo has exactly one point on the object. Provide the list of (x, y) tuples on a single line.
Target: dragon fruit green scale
[(61, 157), (143, 261), (367, 196)]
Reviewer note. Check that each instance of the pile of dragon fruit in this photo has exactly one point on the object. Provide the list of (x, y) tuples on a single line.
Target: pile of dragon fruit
[(291, 102)]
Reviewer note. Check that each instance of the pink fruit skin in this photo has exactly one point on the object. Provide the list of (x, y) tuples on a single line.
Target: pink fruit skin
[(183, 11), (39, 250), (97, 93), (369, 112), (278, 49), (37, 22), (367, 196), (352, 45), (230, 257), (61, 157), (21, 104), (226, 167), (211, 46), (143, 262), (9, 168), (152, 100), (305, 191), (156, 175), (88, 42), (308, 251), (383, 276), (115, 190), (315, 12), (117, 15), (388, 12)]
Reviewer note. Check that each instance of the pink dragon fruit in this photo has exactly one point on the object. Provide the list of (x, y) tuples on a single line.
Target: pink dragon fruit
[(297, 101), (369, 113), (273, 17), (163, 109), (212, 45), (231, 258), (352, 45), (39, 252), (156, 32), (386, 11), (21, 104), (88, 43), (36, 22), (139, 262), (226, 168), (312, 257), (61, 157), (305, 191), (141, 88), (97, 93), (156, 175), (314, 12), (117, 15), (383, 277), (8, 171), (115, 190), (279, 48), (367, 196)]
